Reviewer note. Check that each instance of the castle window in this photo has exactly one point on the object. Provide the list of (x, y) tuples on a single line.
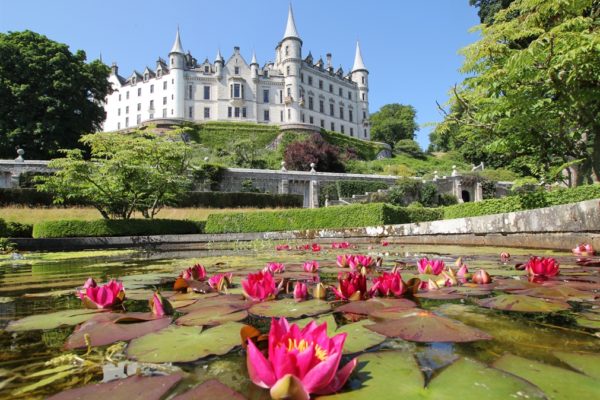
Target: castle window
[(146, 76), (164, 100), (236, 91), (206, 112), (311, 120), (281, 116), (127, 110), (151, 88), (190, 92), (127, 94), (287, 50), (363, 97), (243, 112), (321, 106), (349, 95), (139, 106), (229, 112), (206, 69), (310, 80), (126, 122), (165, 85), (341, 112), (342, 128), (159, 73), (172, 111), (287, 70), (330, 88), (265, 96), (151, 104), (323, 123), (350, 116), (138, 119), (341, 92), (363, 80), (151, 116), (133, 80), (310, 102), (191, 112), (364, 114), (331, 112), (206, 92), (302, 78), (173, 81), (281, 97), (289, 114), (266, 115), (237, 112), (172, 60), (351, 131), (266, 74), (320, 84), (119, 112), (236, 70), (365, 135), (119, 96), (164, 113), (118, 125), (302, 117), (333, 126), (289, 92)]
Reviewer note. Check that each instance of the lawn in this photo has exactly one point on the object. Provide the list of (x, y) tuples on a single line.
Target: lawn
[(27, 215)]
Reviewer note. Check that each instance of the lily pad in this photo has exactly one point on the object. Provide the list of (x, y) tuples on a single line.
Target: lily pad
[(471, 380), (216, 316), (234, 301), (588, 320), (212, 389), (132, 388), (52, 320), (384, 375), (329, 318), (521, 303), (440, 294), (105, 329), (424, 326), (185, 343), (557, 383), (367, 307), (359, 338), (588, 364), (290, 308), (561, 292)]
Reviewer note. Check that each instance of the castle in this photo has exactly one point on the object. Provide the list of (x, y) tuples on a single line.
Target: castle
[(292, 92)]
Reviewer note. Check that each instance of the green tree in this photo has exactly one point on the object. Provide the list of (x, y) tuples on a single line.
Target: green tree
[(532, 100), (394, 122), (489, 8), (50, 97), (140, 171)]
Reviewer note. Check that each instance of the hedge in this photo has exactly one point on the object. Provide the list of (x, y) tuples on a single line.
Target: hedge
[(112, 227), (245, 199), (521, 202), (335, 190), (356, 215), (15, 229)]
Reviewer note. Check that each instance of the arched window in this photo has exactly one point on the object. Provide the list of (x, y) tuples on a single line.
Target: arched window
[(287, 50), (363, 80)]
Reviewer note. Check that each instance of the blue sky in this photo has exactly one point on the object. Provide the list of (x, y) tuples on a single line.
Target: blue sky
[(410, 47)]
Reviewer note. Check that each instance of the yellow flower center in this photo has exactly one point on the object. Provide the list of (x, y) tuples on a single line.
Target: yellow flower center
[(302, 345)]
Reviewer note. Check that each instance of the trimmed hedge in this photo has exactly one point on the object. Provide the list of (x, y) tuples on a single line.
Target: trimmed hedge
[(521, 202), (356, 215), (245, 199), (15, 229), (113, 227)]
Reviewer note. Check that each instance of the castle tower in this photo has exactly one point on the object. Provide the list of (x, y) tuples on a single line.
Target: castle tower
[(360, 75), (176, 66), (219, 62), (254, 66), (290, 58)]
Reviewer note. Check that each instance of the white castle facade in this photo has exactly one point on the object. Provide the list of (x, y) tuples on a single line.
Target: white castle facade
[(292, 92)]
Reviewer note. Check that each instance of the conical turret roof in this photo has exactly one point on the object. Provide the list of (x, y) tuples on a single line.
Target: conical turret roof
[(177, 47), (290, 28), (358, 60)]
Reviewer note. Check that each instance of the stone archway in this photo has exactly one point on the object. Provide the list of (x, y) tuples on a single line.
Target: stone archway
[(466, 196)]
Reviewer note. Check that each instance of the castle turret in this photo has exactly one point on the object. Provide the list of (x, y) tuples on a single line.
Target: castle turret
[(254, 66), (219, 62), (177, 65), (290, 58), (360, 75)]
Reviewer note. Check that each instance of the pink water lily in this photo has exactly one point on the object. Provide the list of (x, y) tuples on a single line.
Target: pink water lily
[(430, 267), (159, 305), (300, 291), (220, 281), (274, 268), (300, 362), (504, 257), (481, 277), (259, 287), (340, 245), (315, 247), (542, 267), (105, 296), (356, 262), (311, 266), (281, 247), (351, 286), (342, 260), (196, 273), (90, 283), (462, 273), (584, 250), (388, 284)]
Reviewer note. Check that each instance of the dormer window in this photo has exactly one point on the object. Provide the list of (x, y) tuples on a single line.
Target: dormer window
[(236, 70), (206, 69), (133, 80), (159, 73), (146, 76)]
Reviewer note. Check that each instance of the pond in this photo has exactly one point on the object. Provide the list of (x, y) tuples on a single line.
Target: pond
[(444, 336)]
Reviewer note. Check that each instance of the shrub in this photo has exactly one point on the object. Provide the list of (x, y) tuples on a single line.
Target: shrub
[(104, 227), (447, 199), (208, 176), (6, 246), (356, 215), (234, 200), (523, 202), (336, 190), (300, 154), (15, 229), (410, 147), (27, 197), (405, 192)]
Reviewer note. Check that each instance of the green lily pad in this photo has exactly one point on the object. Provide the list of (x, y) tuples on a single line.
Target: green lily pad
[(105, 329), (366, 307), (557, 383), (217, 316), (588, 320), (521, 303), (384, 375), (211, 389), (329, 318), (561, 292), (52, 320), (132, 388), (425, 326), (290, 308), (359, 338), (588, 364), (233, 301), (185, 343), (471, 380), (447, 293)]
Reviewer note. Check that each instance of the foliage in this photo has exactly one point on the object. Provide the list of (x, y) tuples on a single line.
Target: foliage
[(27, 197), (248, 186), (140, 171), (207, 175), (394, 122), (105, 227), (447, 199), (6, 246), (531, 102), (410, 147), (356, 215), (234, 200), (363, 149), (300, 154), (489, 8), (50, 97), (15, 229), (407, 191), (339, 189), (498, 175), (29, 179), (523, 202)]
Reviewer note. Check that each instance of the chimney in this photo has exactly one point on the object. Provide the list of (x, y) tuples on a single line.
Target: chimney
[(114, 69), (329, 60)]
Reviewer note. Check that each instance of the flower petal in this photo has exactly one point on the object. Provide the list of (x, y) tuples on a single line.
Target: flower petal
[(259, 369), (340, 378), (290, 388)]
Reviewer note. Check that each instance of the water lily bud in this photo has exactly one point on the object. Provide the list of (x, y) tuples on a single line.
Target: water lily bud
[(504, 257), (300, 291), (458, 262), (160, 306), (311, 266), (481, 277), (320, 291), (90, 283)]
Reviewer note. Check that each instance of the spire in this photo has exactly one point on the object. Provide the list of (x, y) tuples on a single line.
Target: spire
[(358, 60), (253, 58), (177, 47), (290, 28), (219, 56)]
